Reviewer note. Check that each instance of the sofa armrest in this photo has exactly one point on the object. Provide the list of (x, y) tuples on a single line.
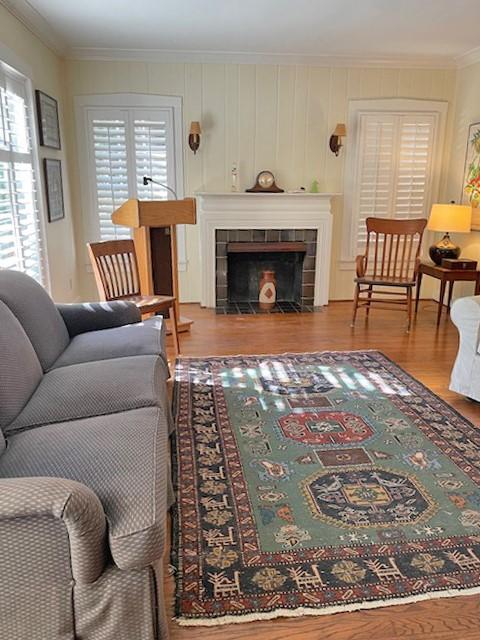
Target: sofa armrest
[(75, 507), (465, 315), (93, 316)]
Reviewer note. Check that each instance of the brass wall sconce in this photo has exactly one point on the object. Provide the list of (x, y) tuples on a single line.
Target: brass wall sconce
[(194, 136), (336, 138)]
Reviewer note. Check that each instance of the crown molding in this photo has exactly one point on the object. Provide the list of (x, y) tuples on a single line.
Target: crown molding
[(240, 57), (466, 59), (36, 23)]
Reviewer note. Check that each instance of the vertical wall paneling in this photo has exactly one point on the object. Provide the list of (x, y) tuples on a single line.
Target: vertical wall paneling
[(246, 124), (276, 117)]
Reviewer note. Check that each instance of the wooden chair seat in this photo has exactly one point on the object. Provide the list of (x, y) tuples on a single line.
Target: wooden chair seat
[(386, 281), (115, 267), (151, 304), (391, 259)]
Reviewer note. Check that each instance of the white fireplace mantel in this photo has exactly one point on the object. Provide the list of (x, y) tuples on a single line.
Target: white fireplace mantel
[(265, 211)]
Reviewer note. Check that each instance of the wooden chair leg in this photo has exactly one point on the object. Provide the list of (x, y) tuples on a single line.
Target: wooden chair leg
[(173, 322), (409, 308), (355, 304), (370, 291)]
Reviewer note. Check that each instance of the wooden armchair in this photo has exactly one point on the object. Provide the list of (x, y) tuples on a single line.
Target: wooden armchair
[(115, 267), (391, 259)]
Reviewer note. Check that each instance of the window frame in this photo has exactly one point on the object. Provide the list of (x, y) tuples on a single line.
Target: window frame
[(84, 105), (388, 106), (19, 70)]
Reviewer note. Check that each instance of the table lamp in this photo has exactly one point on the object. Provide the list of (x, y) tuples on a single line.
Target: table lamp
[(452, 217)]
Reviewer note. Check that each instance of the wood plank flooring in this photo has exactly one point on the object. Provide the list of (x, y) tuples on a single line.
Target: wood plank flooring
[(427, 354)]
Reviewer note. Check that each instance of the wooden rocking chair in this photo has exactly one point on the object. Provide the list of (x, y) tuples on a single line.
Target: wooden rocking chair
[(115, 267), (391, 260)]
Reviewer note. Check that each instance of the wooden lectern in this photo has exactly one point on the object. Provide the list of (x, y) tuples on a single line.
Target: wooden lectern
[(155, 237)]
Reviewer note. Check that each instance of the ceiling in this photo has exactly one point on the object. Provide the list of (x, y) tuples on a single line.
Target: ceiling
[(382, 30)]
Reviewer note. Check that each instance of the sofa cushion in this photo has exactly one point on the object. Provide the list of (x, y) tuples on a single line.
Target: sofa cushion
[(20, 370), (93, 388), (144, 338), (122, 458), (37, 314)]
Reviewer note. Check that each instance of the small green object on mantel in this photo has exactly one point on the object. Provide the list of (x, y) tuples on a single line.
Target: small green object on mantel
[(314, 187)]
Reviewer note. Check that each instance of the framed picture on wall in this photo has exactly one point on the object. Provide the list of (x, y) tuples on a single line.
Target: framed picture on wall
[(54, 189), (471, 174), (48, 125)]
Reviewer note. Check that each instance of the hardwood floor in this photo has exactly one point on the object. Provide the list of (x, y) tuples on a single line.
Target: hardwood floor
[(426, 353)]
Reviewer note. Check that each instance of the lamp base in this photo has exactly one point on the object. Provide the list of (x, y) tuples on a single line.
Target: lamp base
[(444, 249)]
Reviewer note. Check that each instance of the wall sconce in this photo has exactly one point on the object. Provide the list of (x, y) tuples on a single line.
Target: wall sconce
[(336, 138), (194, 136)]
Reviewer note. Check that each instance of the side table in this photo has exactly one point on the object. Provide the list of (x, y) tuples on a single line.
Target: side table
[(445, 275)]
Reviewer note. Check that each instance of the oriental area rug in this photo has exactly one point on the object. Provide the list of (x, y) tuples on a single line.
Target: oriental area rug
[(317, 483)]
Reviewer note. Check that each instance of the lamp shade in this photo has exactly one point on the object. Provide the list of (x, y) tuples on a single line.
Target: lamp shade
[(195, 128), (340, 130), (450, 218)]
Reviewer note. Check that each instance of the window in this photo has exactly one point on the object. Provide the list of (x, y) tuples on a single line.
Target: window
[(393, 169), (134, 138), (21, 245)]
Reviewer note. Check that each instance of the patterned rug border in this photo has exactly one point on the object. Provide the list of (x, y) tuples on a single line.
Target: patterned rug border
[(305, 611), (431, 594)]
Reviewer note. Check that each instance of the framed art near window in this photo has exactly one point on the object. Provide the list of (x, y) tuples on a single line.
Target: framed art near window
[(471, 174), (54, 189), (48, 125)]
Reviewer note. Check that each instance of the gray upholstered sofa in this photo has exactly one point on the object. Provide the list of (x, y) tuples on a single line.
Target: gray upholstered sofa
[(84, 421)]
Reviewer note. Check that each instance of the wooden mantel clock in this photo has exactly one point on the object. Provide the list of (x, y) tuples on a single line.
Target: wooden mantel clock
[(155, 237), (265, 183)]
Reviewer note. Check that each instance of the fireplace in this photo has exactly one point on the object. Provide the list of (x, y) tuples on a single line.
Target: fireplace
[(264, 218), (242, 255)]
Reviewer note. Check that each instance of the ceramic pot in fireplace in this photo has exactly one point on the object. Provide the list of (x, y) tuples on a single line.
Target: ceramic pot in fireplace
[(268, 291)]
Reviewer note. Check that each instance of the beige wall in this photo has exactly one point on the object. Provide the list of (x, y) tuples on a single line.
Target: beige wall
[(46, 71), (467, 111), (264, 117)]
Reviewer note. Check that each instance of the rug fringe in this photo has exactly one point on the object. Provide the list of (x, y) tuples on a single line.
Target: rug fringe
[(309, 611)]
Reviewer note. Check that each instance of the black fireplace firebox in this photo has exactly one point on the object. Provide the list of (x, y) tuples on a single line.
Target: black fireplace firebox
[(242, 256)]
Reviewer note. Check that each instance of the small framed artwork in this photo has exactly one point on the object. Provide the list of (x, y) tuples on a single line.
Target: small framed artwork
[(471, 174), (48, 125), (54, 189)]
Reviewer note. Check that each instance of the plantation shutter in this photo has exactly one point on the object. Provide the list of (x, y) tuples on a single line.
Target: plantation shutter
[(394, 168), (151, 158), (413, 176), (109, 143), (21, 245), (375, 170), (125, 145)]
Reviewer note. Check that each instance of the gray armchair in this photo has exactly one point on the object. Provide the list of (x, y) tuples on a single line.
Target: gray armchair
[(84, 468)]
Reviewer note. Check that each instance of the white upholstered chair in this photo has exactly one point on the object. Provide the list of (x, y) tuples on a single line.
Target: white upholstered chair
[(465, 378)]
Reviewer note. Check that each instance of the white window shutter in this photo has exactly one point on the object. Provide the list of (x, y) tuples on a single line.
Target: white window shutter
[(109, 142), (21, 245), (394, 169), (151, 158), (126, 144), (413, 175), (373, 195)]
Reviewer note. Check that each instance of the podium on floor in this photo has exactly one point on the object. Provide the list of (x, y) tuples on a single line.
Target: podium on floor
[(154, 225)]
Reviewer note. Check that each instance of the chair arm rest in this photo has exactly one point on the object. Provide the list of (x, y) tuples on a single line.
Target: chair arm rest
[(465, 315), (360, 266), (73, 504), (94, 316)]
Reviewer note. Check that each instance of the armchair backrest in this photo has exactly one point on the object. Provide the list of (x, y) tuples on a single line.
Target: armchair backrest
[(20, 370), (393, 247), (36, 312)]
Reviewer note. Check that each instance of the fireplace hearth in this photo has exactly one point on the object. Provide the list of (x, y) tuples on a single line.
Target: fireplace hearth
[(243, 254)]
